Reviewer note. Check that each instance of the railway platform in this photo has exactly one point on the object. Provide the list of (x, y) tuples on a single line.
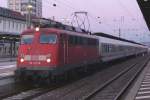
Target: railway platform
[(7, 59), (7, 68), (140, 89)]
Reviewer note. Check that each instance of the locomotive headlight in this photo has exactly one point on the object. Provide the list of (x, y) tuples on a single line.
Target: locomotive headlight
[(48, 60), (21, 60), (37, 29)]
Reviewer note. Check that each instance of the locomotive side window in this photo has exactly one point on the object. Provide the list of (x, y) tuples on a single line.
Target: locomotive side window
[(71, 40), (76, 40), (48, 38), (27, 39)]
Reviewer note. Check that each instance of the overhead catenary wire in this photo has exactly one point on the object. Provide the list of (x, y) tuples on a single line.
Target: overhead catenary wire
[(90, 15), (70, 7), (64, 4), (50, 3), (129, 12), (67, 5), (98, 21), (57, 5)]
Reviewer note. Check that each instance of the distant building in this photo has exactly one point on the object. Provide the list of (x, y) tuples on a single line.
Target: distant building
[(11, 22), (11, 25), (21, 6)]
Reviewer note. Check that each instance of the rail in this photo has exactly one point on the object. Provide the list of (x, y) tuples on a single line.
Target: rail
[(109, 82)]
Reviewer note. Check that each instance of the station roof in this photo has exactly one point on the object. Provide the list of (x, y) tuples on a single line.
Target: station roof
[(9, 37), (4, 12), (145, 8)]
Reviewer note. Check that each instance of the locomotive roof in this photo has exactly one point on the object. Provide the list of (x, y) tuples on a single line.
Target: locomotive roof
[(48, 23), (116, 38), (96, 34)]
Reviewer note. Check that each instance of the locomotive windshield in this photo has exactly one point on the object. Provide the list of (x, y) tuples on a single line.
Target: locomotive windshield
[(27, 39), (48, 38)]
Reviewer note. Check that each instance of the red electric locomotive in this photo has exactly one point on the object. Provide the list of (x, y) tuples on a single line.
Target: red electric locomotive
[(47, 52), (54, 50)]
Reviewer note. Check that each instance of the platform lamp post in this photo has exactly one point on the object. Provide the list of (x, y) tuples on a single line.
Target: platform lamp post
[(29, 9)]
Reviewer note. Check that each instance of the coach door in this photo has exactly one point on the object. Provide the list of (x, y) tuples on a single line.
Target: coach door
[(64, 48)]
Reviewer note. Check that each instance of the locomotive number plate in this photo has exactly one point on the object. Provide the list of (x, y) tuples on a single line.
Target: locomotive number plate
[(35, 57)]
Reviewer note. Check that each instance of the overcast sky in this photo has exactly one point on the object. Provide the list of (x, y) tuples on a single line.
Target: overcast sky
[(105, 15)]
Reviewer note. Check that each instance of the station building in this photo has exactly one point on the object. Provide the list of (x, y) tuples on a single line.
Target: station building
[(21, 6), (12, 23)]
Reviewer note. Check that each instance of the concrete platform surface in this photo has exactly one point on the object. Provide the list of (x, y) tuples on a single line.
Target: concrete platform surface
[(7, 69), (7, 59), (140, 89)]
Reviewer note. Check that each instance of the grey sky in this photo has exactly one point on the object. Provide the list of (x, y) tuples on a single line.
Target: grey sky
[(113, 14)]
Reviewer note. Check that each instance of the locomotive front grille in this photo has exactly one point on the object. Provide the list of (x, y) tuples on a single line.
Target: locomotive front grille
[(27, 58), (35, 57)]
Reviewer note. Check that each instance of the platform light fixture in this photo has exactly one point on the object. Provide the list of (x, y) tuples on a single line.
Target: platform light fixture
[(29, 9)]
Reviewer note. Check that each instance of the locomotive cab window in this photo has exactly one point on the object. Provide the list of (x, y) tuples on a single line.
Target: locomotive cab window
[(48, 38), (27, 39)]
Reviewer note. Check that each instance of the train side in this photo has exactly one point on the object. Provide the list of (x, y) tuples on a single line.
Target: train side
[(50, 51), (111, 49), (70, 50)]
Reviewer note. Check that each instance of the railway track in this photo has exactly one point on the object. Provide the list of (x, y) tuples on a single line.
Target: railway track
[(12, 88), (114, 88), (79, 89), (24, 91), (6, 80), (29, 94), (73, 90)]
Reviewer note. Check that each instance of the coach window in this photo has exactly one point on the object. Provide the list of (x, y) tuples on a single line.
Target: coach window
[(108, 48), (0, 51), (105, 48), (48, 38)]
